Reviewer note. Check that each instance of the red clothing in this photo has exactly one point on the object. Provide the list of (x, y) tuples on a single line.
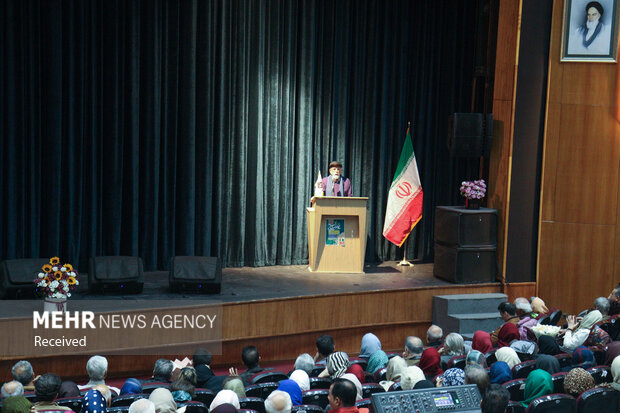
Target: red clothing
[(358, 372), (482, 342), (352, 409), (507, 334), (430, 362)]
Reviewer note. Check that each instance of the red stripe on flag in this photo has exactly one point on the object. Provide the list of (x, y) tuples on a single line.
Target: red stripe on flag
[(408, 218)]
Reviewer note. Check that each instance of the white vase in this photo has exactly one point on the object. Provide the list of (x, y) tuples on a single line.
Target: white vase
[(51, 304)]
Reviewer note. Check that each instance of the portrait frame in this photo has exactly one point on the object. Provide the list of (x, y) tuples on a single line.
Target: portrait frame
[(599, 43)]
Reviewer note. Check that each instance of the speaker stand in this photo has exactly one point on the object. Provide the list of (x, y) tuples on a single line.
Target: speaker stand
[(404, 262)]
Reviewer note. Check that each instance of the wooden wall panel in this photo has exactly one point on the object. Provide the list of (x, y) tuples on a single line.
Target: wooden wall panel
[(550, 161), (506, 54), (514, 290)]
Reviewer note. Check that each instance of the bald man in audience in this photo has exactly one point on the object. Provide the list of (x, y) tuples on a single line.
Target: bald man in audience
[(12, 389), (23, 373), (413, 350), (434, 336), (278, 402)]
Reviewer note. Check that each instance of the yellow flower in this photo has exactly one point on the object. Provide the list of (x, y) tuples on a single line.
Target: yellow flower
[(71, 280), (69, 267), (58, 275), (54, 260), (47, 268)]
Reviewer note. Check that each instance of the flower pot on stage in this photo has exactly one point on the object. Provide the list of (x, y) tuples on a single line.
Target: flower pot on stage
[(51, 304), (472, 203)]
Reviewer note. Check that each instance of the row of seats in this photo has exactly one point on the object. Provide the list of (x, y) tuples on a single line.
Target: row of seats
[(598, 400)]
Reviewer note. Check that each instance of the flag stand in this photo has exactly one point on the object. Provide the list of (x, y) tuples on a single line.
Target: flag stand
[(404, 262)]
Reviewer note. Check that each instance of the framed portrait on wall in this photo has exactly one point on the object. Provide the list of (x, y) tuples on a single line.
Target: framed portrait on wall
[(590, 31)]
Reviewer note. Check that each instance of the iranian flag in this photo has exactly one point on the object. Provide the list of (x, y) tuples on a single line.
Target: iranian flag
[(404, 207)]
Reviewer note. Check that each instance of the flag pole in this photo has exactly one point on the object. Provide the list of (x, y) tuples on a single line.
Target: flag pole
[(404, 262)]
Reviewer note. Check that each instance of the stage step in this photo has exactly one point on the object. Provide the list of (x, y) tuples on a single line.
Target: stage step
[(467, 313)]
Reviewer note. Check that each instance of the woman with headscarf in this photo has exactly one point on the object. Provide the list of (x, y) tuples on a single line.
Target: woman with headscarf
[(482, 342), (430, 363), (223, 397), (577, 334), (224, 408), (583, 357), (370, 344), (411, 376), (183, 387), (377, 360), (163, 401), (292, 388), (358, 385), (500, 373), (68, 389), (235, 384), (301, 378), (508, 355), (452, 377), (613, 351), (94, 401), (615, 373), (577, 381), (476, 357), (395, 368), (507, 334), (131, 386), (337, 364), (548, 345), (548, 363), (537, 384), (357, 371)]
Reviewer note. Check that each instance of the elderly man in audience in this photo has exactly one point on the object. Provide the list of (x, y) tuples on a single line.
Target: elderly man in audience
[(508, 312), (526, 320), (12, 389), (476, 374), (162, 372), (278, 402), (602, 304), (434, 336), (304, 362), (23, 373), (614, 301), (495, 399), (341, 397), (46, 389), (97, 369), (413, 350), (142, 406), (324, 347)]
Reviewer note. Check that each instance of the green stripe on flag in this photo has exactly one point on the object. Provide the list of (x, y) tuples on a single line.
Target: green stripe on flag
[(405, 157)]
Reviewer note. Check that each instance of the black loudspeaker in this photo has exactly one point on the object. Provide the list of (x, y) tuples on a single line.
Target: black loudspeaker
[(17, 276), (115, 274), (470, 134), (195, 275), (465, 265), (462, 227)]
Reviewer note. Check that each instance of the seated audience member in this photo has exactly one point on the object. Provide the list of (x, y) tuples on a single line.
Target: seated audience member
[(46, 389), (524, 347), (430, 363), (411, 376), (12, 389), (205, 377), (453, 346), (105, 392), (235, 384), (163, 401), (475, 374), (413, 350), (224, 408), (304, 362), (278, 402), (548, 345), (337, 365), (537, 384), (508, 355), (377, 361), (131, 386), (251, 359), (526, 319), (324, 347), (500, 373), (508, 313), (225, 397), (94, 402), (358, 372), (434, 336), (476, 357), (342, 395), (370, 344), (613, 351), (602, 304), (23, 373), (614, 301), (577, 333), (16, 404), (577, 381), (482, 342), (302, 379), (140, 406), (423, 384), (358, 384), (97, 369), (451, 377), (162, 372), (395, 368), (538, 306), (183, 387), (615, 373), (293, 390), (582, 357), (507, 335), (68, 389), (548, 363), (495, 399)]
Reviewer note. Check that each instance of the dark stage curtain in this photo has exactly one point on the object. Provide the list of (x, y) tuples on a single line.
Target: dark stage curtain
[(159, 128)]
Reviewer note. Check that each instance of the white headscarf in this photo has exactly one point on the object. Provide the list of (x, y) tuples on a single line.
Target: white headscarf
[(615, 373), (163, 401), (507, 355), (301, 378), (355, 380), (411, 376), (590, 319), (223, 397)]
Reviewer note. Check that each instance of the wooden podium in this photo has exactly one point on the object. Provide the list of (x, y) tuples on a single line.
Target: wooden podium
[(337, 234)]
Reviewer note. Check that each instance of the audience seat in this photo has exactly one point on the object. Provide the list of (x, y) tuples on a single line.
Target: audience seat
[(364, 404), (521, 370), (370, 388), (554, 317), (268, 377), (379, 375), (320, 383), (515, 407), (599, 400), (306, 408), (601, 374), (368, 378), (558, 381), (545, 319), (252, 403), (316, 397), (599, 355), (261, 390), (395, 387), (490, 356), (195, 407), (316, 371), (148, 388), (74, 403), (553, 403), (204, 396), (458, 362), (565, 359), (361, 361), (118, 409), (391, 355), (127, 399), (516, 388)]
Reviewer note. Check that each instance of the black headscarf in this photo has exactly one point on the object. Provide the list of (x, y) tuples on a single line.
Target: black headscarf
[(548, 345), (548, 363)]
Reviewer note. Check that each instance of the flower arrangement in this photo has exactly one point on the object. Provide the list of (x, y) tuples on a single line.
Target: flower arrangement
[(545, 330), (55, 280), (473, 189)]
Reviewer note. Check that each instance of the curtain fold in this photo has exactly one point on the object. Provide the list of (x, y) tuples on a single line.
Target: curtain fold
[(160, 128)]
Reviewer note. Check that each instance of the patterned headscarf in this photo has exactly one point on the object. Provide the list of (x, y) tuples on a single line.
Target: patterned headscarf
[(476, 357), (94, 402), (370, 344), (430, 362), (577, 381), (377, 361), (500, 372), (508, 355), (453, 377), (537, 384), (337, 364), (582, 355)]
